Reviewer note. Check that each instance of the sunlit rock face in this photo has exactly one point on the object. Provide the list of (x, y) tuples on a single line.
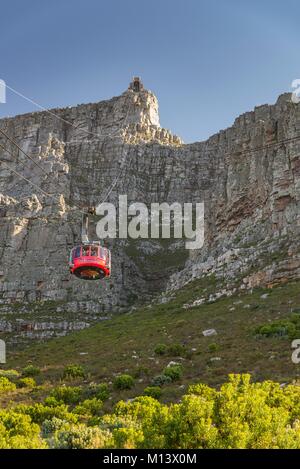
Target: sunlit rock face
[(248, 181)]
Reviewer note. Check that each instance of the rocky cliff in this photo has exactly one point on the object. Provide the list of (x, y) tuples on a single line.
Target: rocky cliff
[(248, 177)]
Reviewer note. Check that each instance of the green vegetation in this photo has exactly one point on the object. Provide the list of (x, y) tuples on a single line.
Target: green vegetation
[(129, 342), (283, 328), (26, 383), (18, 431), (213, 347), (172, 350), (161, 380), (174, 372), (240, 414), (89, 407), (10, 374), (31, 370), (98, 391), (67, 394), (6, 385), (160, 349), (161, 260), (153, 391), (159, 353), (124, 382), (73, 372)]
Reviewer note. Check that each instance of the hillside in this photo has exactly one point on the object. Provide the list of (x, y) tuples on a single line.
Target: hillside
[(128, 343), (139, 380)]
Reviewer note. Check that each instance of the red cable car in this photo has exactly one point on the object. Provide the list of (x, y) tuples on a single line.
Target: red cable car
[(90, 260)]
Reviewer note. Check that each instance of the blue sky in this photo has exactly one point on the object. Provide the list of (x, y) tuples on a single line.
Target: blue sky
[(207, 61)]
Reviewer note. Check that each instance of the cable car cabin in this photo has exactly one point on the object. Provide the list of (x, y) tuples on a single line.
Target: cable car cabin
[(90, 262)]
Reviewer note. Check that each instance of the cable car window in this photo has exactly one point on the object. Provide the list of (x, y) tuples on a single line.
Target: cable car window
[(85, 250), (94, 251), (76, 252)]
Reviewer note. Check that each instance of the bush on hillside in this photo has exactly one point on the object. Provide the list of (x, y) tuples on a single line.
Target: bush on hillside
[(153, 391), (81, 437), (89, 407), (172, 350), (41, 412), (30, 371), (99, 391), (53, 425), (10, 374), (17, 431), (176, 350), (123, 382), (73, 372), (161, 380), (67, 394), (213, 347), (26, 383), (174, 372), (160, 349), (6, 385)]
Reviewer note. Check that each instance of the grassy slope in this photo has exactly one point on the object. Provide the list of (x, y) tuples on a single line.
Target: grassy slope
[(112, 346)]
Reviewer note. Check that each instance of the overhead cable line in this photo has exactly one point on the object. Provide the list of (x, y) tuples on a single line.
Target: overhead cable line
[(53, 196), (25, 179), (22, 151), (109, 135), (59, 117), (269, 145)]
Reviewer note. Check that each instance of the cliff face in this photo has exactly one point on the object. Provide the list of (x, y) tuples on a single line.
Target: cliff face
[(251, 197), (253, 210)]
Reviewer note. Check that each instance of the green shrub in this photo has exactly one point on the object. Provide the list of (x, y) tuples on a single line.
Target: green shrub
[(141, 371), (23, 442), (160, 380), (73, 372), (123, 382), (282, 328), (40, 412), (26, 383), (6, 385), (153, 391), (89, 407), (176, 350), (53, 425), (67, 394), (81, 437), (19, 432), (202, 390), (31, 370), (99, 391), (10, 374), (173, 350), (213, 347), (174, 372), (160, 349), (51, 401)]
